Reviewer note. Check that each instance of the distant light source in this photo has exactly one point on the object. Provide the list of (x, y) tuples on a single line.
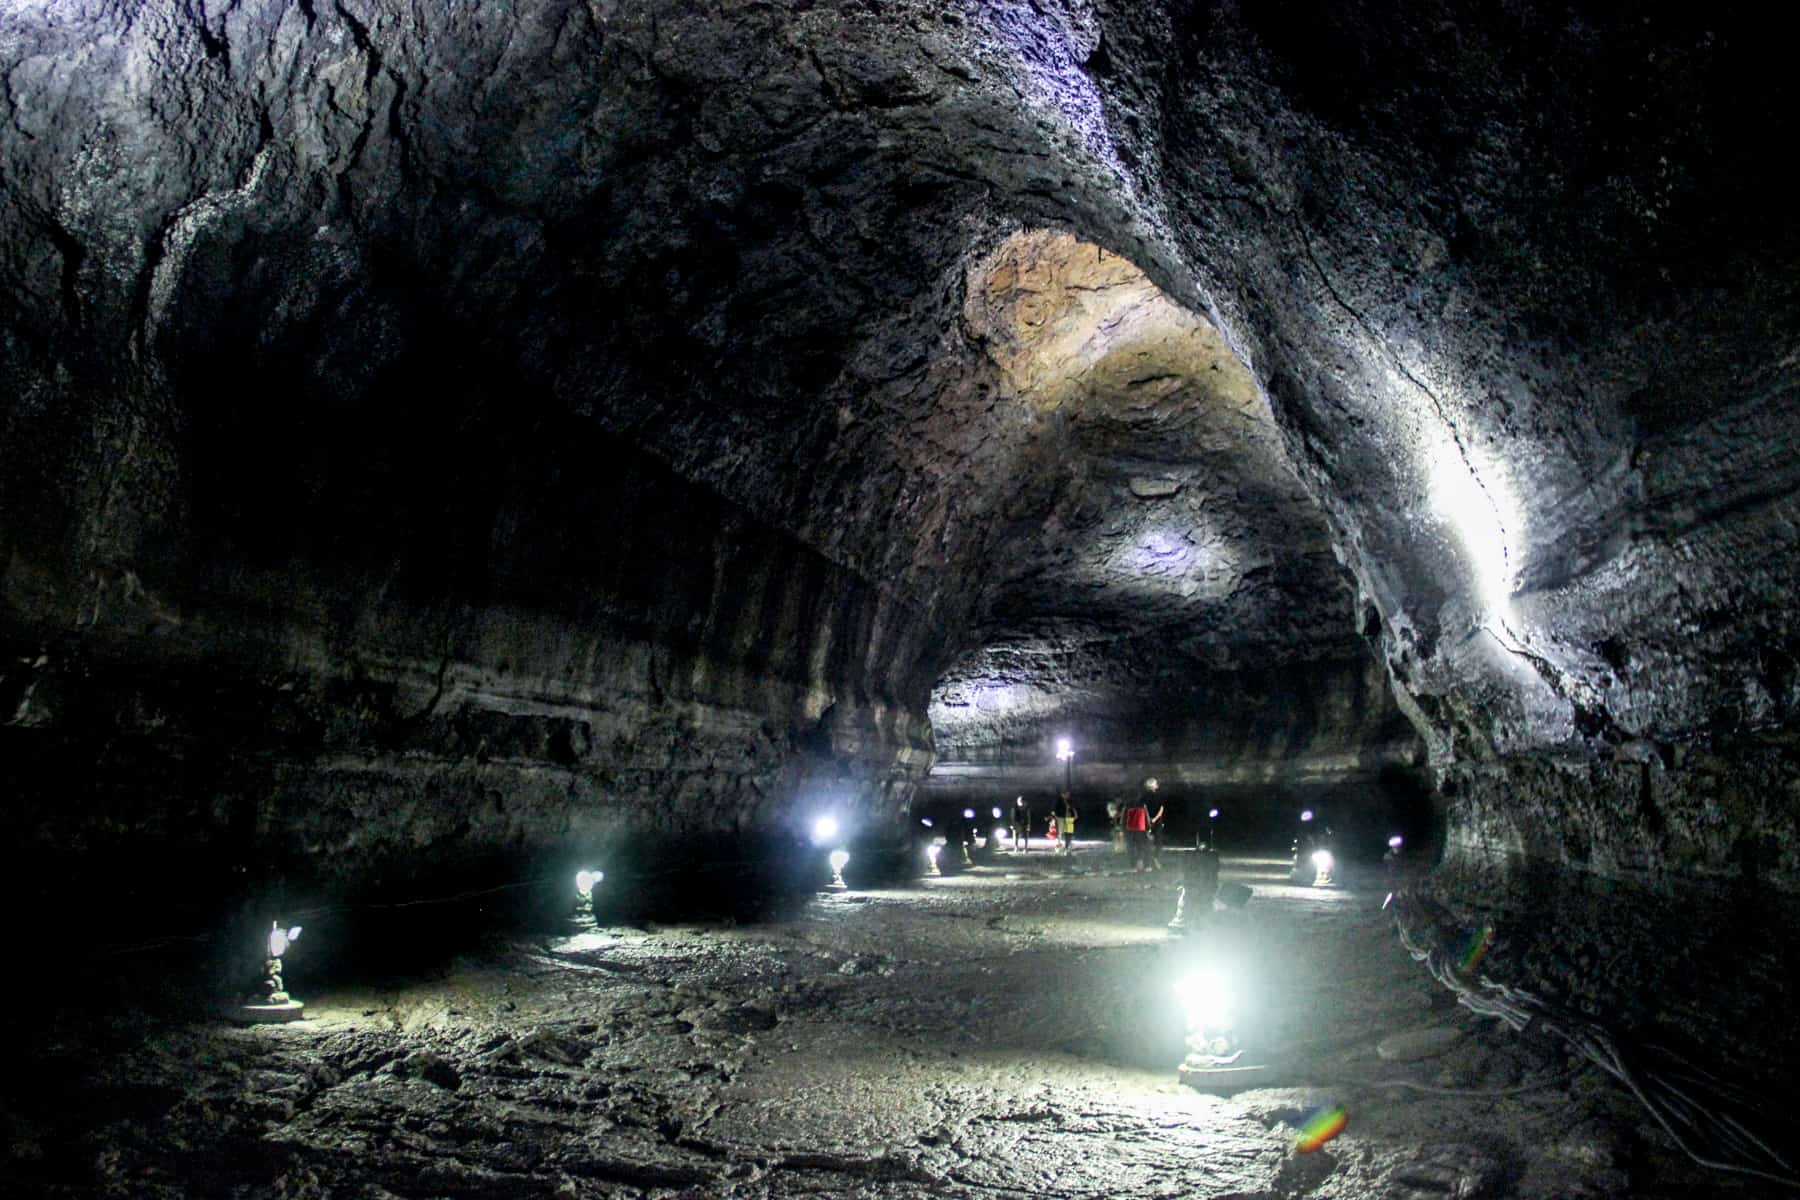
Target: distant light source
[(1395, 842), (996, 812), (968, 814), (824, 829), (1212, 814), (1307, 815), (1064, 749), (274, 1005), (926, 822)]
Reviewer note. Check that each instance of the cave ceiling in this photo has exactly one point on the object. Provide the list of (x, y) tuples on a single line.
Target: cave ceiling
[(791, 361)]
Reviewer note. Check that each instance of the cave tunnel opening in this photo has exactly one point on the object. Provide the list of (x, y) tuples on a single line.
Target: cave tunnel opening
[(1168, 604)]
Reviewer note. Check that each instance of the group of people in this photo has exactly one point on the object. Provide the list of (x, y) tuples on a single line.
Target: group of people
[(1060, 831), (1140, 820)]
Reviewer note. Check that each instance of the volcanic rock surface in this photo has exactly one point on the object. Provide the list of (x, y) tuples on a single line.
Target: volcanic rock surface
[(457, 443)]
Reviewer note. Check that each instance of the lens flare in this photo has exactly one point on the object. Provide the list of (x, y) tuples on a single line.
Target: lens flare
[(1474, 950), (1320, 1127)]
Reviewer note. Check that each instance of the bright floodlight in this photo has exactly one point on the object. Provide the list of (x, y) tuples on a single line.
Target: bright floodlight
[(1322, 860), (585, 881), (1307, 815), (839, 860), (1395, 842), (824, 829), (1207, 1000), (1064, 749), (280, 939)]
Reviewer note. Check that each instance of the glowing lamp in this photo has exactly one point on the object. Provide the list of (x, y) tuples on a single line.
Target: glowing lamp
[(1207, 1002), (1395, 842), (1212, 813), (274, 1005), (280, 939), (925, 821), (824, 829), (968, 814), (1306, 815), (996, 812)]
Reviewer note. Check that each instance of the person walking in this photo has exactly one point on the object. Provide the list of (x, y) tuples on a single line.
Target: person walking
[(1157, 829), (1020, 824), (1065, 822)]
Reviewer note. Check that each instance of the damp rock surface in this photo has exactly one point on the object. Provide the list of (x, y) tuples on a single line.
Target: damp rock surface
[(1021, 1035)]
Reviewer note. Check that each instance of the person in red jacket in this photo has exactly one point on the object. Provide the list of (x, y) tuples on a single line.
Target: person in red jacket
[(1137, 829)]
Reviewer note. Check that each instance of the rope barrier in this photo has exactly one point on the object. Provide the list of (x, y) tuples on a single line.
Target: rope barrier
[(1690, 1105)]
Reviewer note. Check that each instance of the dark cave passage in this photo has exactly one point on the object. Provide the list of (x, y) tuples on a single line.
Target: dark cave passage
[(446, 449)]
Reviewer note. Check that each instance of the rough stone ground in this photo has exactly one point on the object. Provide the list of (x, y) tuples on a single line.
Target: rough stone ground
[(1005, 1032)]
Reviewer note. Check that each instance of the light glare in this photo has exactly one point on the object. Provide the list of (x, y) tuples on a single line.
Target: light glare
[(280, 939), (1322, 860), (1480, 515), (825, 828), (839, 860), (1207, 1000)]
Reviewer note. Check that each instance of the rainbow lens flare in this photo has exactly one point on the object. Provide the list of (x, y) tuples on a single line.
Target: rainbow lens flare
[(1474, 950), (1319, 1128)]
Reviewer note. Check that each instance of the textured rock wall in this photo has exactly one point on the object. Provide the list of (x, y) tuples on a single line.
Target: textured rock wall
[(304, 313), (633, 659)]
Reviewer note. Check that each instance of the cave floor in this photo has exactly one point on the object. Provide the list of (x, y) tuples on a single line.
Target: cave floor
[(1007, 1031)]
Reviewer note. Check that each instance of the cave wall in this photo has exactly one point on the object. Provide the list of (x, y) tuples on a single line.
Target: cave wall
[(371, 370), (1519, 284)]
